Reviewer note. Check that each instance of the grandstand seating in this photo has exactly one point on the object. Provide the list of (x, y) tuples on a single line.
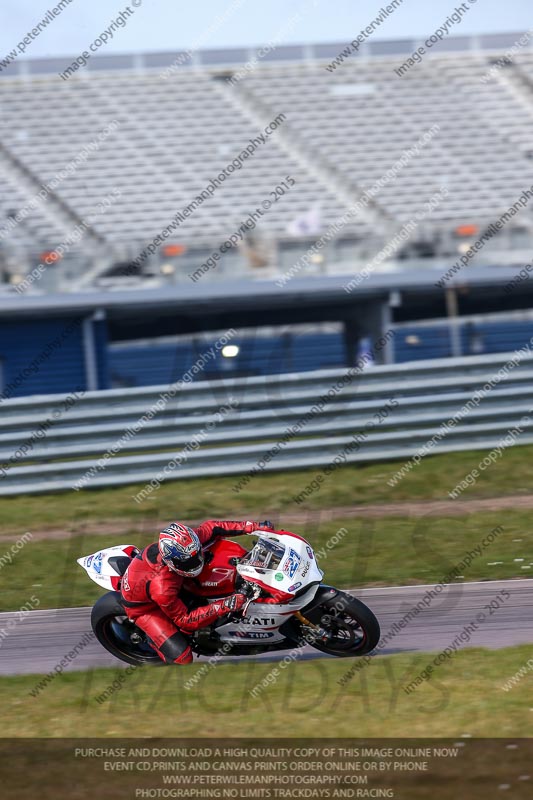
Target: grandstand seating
[(39, 225), (176, 134), (474, 153), (173, 137)]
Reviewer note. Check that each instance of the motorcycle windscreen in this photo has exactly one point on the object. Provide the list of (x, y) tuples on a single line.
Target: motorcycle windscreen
[(265, 556), (283, 566)]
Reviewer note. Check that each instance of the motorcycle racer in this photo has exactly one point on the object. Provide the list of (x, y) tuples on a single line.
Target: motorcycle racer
[(152, 583)]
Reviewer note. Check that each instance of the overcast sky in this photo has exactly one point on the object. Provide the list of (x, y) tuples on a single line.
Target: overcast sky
[(175, 24)]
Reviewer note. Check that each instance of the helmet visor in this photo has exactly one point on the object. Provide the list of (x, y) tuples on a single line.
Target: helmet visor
[(188, 566)]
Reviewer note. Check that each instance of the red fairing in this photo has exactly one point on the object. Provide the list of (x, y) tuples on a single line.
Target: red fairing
[(276, 595), (217, 578)]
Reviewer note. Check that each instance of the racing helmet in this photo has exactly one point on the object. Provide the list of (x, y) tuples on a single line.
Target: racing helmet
[(181, 550)]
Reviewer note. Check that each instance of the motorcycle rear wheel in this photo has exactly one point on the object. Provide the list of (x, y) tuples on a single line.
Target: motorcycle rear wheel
[(114, 630)]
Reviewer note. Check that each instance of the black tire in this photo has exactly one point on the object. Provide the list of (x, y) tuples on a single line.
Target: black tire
[(355, 630), (113, 630)]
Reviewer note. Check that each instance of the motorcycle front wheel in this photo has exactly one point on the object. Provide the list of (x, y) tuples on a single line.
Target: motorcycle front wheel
[(352, 627)]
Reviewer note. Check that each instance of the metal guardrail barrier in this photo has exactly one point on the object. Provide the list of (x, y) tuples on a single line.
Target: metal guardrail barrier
[(260, 412)]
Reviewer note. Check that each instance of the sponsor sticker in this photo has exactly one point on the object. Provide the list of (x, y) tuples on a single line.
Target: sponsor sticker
[(309, 551), (294, 586), (251, 634), (306, 569), (89, 561), (125, 582), (292, 562), (278, 576), (97, 564)]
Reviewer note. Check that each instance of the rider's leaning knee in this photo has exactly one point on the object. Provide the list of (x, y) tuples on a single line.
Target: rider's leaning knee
[(175, 650)]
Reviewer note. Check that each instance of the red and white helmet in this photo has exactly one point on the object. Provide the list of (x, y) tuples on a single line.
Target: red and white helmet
[(181, 550)]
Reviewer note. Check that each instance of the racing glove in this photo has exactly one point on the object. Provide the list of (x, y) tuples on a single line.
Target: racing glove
[(230, 605), (233, 603), (253, 527)]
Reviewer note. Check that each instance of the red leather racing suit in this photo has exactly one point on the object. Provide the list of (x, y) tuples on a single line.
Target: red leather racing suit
[(150, 594)]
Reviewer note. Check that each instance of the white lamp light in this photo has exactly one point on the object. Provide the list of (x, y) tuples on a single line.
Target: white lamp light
[(230, 351)]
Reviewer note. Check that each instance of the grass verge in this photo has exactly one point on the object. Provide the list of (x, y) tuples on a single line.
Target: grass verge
[(272, 493), (464, 696)]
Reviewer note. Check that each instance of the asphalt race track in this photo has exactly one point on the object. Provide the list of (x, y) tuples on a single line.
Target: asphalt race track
[(38, 642)]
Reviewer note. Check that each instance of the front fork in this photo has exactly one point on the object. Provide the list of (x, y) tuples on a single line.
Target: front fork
[(315, 631), (253, 595)]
